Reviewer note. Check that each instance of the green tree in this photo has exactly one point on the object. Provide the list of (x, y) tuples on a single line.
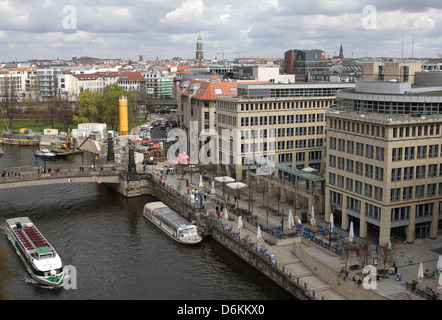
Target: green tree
[(88, 107), (109, 105)]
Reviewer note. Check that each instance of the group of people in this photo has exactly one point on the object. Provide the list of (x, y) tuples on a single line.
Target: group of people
[(10, 173)]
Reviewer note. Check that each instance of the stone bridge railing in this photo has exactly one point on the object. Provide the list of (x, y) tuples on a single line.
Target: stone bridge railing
[(27, 176)]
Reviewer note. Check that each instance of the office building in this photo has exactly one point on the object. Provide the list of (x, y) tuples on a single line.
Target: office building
[(306, 65), (384, 161), (291, 115)]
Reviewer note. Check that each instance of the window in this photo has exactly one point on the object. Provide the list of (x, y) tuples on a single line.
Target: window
[(399, 214), (369, 151), (433, 151), (408, 173), (359, 168), (350, 147), (368, 190), (380, 153), (379, 173), (407, 193), (397, 154), (409, 153), (431, 190), (350, 165), (395, 194), (422, 152), (420, 172), (378, 193), (218, 91), (369, 171), (396, 174), (359, 149), (358, 187), (420, 191)]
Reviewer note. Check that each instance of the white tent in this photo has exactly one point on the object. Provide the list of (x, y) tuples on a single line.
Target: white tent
[(224, 179), (236, 185)]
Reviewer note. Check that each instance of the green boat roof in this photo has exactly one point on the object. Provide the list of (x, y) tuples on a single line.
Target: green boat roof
[(43, 250)]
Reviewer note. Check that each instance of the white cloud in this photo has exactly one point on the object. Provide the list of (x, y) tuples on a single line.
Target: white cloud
[(158, 28)]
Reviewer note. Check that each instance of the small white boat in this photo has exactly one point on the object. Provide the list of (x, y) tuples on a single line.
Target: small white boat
[(44, 154), (171, 223), (40, 258)]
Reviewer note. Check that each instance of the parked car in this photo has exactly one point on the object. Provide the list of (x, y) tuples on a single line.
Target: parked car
[(149, 162)]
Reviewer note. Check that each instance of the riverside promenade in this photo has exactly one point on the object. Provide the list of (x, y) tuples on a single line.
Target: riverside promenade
[(316, 266)]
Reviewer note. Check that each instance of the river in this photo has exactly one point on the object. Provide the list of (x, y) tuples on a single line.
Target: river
[(118, 254)]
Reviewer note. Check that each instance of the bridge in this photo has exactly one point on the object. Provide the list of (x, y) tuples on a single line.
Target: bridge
[(35, 176)]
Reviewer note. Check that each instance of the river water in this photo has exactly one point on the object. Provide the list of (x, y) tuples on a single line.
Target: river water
[(118, 254)]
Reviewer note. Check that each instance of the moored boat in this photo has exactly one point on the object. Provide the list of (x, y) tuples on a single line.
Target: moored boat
[(44, 153), (40, 258), (171, 223)]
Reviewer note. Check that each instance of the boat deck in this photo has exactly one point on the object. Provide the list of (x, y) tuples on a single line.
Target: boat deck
[(29, 236)]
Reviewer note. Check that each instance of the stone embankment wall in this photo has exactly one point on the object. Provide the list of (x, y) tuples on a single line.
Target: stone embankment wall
[(260, 261), (346, 287)]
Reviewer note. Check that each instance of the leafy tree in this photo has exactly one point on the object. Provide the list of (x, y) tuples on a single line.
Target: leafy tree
[(110, 104), (88, 107)]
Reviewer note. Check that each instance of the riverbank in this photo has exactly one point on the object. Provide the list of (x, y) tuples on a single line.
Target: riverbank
[(313, 265)]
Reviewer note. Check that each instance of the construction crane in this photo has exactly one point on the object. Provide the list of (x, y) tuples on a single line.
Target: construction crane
[(231, 52)]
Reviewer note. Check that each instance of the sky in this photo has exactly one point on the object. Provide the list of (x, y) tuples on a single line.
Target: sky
[(164, 29)]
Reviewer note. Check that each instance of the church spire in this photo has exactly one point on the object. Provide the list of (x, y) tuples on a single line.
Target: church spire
[(341, 53), (199, 49)]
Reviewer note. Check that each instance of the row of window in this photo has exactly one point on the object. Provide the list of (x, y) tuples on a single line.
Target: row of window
[(281, 119), (412, 153), (357, 127), (418, 172), (374, 212), (377, 193), (358, 148), (280, 145), (284, 105)]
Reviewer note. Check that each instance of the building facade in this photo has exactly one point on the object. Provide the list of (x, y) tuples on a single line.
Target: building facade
[(306, 65), (285, 122), (384, 161), (378, 71)]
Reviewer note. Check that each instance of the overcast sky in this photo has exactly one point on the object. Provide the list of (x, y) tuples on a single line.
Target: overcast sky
[(262, 28)]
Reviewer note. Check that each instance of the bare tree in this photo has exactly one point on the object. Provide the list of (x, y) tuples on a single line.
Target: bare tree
[(9, 101), (386, 253)]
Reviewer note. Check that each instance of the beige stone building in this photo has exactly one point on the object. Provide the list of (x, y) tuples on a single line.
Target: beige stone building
[(384, 161), (396, 71), (282, 122)]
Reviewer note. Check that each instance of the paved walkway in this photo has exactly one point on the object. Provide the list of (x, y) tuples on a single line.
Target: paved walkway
[(426, 251)]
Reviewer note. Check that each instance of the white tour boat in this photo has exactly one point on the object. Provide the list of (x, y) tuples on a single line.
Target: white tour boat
[(171, 223), (41, 260)]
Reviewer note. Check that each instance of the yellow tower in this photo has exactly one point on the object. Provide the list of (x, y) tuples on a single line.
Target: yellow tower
[(123, 116)]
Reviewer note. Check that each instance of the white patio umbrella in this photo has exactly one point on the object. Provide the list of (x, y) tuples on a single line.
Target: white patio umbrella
[(258, 235), (420, 272), (225, 215), (290, 221), (201, 181), (240, 225), (439, 283), (312, 219), (213, 188), (439, 263), (332, 225), (351, 234)]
